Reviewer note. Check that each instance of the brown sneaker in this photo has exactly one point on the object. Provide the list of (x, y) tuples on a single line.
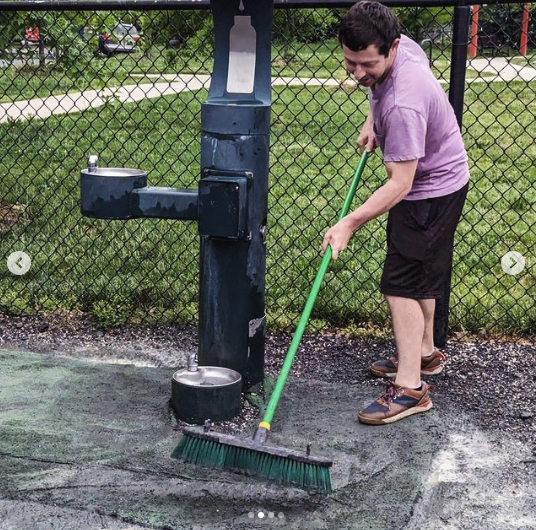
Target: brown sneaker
[(431, 365), (396, 403)]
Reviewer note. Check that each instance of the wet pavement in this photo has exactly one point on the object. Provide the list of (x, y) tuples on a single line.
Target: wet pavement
[(86, 445)]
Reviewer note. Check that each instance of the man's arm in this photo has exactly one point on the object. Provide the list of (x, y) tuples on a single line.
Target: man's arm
[(401, 176), (366, 141)]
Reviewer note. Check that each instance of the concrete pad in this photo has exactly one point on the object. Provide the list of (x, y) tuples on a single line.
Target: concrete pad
[(87, 446), (82, 435)]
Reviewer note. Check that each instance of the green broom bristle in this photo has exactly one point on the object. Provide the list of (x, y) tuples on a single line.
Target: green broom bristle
[(223, 452)]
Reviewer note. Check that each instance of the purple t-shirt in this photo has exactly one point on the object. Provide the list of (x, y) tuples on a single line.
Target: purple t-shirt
[(413, 119)]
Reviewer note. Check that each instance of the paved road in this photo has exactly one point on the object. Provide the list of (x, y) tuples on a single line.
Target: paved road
[(24, 57), (169, 84), (79, 101)]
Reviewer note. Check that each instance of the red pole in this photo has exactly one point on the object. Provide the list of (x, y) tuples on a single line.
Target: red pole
[(524, 30), (473, 45)]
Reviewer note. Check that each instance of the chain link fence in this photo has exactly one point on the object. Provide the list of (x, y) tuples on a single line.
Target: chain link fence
[(128, 86)]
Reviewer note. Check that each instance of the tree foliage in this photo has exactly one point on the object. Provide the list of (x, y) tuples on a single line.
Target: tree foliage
[(423, 23), (504, 24), (306, 25)]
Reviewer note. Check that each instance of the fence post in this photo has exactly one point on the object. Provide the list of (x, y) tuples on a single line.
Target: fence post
[(524, 30), (473, 46), (460, 40)]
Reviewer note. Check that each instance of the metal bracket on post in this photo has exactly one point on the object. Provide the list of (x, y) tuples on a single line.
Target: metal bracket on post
[(223, 197)]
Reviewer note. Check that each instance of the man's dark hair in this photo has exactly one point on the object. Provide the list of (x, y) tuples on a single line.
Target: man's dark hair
[(366, 23)]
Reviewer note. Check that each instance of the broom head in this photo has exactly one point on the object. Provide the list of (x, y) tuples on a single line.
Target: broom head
[(247, 456)]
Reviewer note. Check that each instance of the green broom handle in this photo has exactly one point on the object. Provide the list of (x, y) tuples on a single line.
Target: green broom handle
[(289, 359)]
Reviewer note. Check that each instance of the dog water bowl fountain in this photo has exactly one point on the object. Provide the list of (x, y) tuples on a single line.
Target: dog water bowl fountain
[(199, 393)]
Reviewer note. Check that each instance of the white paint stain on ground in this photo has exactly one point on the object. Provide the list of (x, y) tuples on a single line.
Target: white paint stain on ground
[(462, 493)]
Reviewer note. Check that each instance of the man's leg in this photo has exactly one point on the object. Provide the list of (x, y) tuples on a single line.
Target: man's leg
[(408, 394), (407, 337), (408, 320), (428, 308)]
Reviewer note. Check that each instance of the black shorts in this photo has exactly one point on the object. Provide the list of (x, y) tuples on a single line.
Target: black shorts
[(420, 241)]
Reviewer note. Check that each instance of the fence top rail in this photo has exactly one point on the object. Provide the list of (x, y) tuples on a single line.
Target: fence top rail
[(150, 5)]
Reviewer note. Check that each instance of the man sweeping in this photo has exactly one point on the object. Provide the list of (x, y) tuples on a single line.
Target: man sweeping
[(415, 127)]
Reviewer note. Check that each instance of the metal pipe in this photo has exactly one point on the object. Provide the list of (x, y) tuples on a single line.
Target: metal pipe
[(460, 42), (523, 42), (165, 203), (473, 45), (92, 163)]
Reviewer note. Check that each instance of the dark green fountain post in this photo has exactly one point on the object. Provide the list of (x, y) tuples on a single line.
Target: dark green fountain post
[(235, 123)]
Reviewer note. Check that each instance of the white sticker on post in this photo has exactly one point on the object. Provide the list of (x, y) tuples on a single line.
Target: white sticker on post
[(242, 56)]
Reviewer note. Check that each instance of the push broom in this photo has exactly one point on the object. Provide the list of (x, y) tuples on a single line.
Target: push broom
[(254, 456)]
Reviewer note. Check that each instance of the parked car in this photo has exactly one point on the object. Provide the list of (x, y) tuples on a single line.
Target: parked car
[(126, 34), (124, 38), (31, 37), (108, 47)]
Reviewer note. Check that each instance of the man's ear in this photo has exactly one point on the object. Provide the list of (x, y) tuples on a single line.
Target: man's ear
[(394, 46)]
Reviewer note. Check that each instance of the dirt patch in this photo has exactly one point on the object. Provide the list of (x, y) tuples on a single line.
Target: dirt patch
[(9, 216)]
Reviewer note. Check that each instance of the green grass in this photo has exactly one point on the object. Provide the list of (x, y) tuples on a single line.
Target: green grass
[(146, 270), (27, 82), (78, 263), (22, 84), (321, 60), (529, 60)]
